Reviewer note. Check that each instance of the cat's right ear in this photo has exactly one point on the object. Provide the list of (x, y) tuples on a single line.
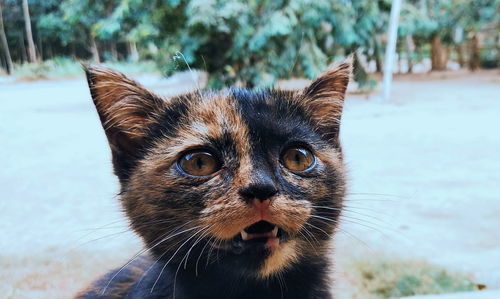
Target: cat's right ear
[(324, 98), (126, 110)]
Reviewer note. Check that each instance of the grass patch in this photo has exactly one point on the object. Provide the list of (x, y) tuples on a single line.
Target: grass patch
[(63, 67), (389, 279)]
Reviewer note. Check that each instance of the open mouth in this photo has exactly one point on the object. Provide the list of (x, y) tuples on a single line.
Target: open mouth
[(260, 230), (262, 233)]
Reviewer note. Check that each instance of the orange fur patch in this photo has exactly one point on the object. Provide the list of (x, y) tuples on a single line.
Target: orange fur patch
[(279, 259)]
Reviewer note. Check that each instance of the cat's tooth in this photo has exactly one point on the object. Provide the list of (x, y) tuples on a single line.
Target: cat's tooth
[(275, 231), (244, 235)]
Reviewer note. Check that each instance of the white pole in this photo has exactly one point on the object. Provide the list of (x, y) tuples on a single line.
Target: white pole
[(390, 50)]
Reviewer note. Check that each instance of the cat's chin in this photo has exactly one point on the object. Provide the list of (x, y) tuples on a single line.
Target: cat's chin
[(260, 237)]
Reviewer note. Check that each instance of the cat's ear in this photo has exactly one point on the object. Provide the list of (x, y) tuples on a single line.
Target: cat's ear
[(125, 108), (324, 97)]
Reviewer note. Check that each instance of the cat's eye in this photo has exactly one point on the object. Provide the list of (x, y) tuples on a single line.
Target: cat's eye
[(199, 163), (298, 159)]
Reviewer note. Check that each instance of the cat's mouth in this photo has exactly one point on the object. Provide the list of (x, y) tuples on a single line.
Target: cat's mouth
[(262, 233)]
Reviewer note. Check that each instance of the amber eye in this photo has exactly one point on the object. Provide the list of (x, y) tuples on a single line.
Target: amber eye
[(199, 163), (298, 159)]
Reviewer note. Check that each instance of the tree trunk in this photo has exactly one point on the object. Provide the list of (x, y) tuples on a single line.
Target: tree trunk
[(460, 55), (113, 51), (410, 47), (498, 47), (377, 52), (3, 63), (50, 53), (94, 50), (24, 56), (29, 34), (73, 51), (39, 44), (398, 60), (132, 50), (5, 45), (439, 57), (474, 60)]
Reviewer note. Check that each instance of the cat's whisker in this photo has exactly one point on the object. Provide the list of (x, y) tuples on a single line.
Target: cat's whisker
[(186, 256), (214, 244), (307, 239), (157, 260), (112, 235), (377, 222), (146, 250), (127, 225), (376, 229), (377, 194), (218, 248), (324, 218), (209, 254), (195, 81), (343, 209), (318, 228), (338, 228), (108, 225), (280, 282), (343, 215), (168, 234), (115, 234), (199, 257), (105, 225), (297, 54), (374, 226), (371, 200), (369, 209), (203, 235), (171, 258), (311, 235)]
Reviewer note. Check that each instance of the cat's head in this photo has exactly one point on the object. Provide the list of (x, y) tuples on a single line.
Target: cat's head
[(255, 175)]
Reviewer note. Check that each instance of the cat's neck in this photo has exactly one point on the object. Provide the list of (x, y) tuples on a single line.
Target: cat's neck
[(307, 279)]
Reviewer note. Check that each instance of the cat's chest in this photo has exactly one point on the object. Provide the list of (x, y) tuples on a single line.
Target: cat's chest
[(163, 283)]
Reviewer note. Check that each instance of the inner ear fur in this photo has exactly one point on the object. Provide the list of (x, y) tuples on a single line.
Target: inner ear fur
[(125, 108), (323, 99)]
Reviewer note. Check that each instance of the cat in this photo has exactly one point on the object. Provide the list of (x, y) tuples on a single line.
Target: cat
[(236, 194)]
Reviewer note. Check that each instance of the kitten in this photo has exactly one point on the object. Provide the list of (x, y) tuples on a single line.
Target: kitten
[(236, 194)]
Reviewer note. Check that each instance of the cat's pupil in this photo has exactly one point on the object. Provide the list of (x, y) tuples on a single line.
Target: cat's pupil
[(298, 159), (200, 163)]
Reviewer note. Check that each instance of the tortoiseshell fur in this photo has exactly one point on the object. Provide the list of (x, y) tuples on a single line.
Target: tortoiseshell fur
[(189, 223)]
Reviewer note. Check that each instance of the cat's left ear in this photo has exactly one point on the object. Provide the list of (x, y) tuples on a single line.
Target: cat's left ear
[(324, 98), (126, 110)]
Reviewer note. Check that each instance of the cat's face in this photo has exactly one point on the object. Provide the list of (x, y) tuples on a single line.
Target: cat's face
[(256, 176)]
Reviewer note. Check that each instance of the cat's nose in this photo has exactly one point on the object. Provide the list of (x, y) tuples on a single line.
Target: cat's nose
[(262, 190)]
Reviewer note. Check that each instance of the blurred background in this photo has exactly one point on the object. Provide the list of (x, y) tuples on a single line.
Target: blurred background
[(420, 129)]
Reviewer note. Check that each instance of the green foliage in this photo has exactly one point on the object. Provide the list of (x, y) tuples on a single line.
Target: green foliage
[(392, 279), (64, 67), (415, 22), (249, 43), (54, 68), (254, 43)]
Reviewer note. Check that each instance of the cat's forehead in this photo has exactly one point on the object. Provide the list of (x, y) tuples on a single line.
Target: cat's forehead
[(238, 116)]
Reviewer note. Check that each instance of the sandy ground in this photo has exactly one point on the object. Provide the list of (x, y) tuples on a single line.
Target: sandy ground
[(423, 168)]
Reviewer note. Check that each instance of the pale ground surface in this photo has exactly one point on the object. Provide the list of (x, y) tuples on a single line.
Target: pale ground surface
[(490, 294), (424, 183)]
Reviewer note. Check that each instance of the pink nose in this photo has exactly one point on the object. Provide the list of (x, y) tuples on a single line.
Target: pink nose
[(261, 206)]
